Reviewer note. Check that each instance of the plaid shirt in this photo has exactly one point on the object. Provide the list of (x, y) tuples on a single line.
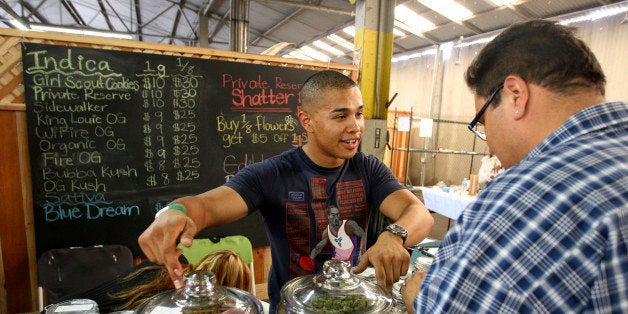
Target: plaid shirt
[(550, 234)]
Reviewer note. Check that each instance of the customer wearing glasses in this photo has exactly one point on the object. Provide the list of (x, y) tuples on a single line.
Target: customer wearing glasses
[(550, 234)]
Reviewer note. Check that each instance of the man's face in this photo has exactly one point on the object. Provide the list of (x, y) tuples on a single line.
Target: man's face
[(335, 125)]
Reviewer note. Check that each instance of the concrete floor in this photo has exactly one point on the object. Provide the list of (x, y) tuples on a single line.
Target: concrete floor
[(441, 225)]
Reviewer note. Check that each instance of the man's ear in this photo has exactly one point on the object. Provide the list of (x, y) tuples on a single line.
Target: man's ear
[(517, 93), (305, 120)]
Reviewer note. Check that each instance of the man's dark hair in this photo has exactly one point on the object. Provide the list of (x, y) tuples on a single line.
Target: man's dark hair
[(540, 52), (323, 80)]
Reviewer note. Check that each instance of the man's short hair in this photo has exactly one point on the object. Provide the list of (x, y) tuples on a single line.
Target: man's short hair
[(540, 52), (321, 81)]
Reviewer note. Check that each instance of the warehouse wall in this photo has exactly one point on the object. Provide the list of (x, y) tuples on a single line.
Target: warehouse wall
[(433, 86)]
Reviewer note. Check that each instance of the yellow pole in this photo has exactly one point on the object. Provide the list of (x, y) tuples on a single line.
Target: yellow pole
[(374, 46)]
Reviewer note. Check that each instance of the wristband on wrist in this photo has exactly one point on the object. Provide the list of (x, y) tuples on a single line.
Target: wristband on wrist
[(173, 206)]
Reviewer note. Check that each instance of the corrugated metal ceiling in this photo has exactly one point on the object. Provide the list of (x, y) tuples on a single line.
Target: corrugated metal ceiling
[(298, 22)]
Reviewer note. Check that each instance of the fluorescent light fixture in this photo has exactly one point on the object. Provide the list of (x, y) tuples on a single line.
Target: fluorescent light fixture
[(78, 31), (341, 41), (297, 55), (595, 15), (328, 48), (276, 48), (406, 57), (408, 28), (313, 53), (448, 8), (44, 28), (428, 52), (479, 41), (504, 2), (349, 30), (18, 24), (107, 34), (398, 32), (410, 21)]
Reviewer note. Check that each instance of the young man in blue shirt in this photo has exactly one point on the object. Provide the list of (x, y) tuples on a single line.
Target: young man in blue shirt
[(294, 189)]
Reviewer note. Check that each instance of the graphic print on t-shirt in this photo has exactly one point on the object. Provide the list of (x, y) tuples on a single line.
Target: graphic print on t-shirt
[(350, 201), (298, 218)]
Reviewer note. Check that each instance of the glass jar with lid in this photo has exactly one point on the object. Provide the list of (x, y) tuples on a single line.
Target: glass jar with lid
[(200, 294), (74, 306), (335, 290)]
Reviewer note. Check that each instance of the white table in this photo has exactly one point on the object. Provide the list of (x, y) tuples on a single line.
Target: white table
[(447, 204)]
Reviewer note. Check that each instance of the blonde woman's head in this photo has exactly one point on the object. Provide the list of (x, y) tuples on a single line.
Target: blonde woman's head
[(228, 267)]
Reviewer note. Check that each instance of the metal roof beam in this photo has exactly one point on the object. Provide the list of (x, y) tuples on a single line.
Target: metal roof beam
[(277, 26), (185, 17), (325, 34), (103, 11), (157, 16), (207, 8), (287, 19), (517, 9), (520, 11), (311, 7), (219, 25), (138, 17), (120, 18), (7, 8), (175, 24), (34, 12), (4, 6), (73, 12)]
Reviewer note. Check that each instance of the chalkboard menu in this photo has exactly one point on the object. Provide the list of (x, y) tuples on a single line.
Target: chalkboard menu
[(115, 135)]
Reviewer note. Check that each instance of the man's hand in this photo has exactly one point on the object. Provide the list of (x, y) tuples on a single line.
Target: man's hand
[(410, 289), (389, 259), (159, 241)]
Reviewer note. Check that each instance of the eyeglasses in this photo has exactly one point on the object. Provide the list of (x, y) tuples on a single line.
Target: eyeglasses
[(480, 113)]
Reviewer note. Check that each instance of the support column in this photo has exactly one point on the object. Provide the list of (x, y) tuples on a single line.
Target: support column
[(203, 30), (374, 45), (239, 25)]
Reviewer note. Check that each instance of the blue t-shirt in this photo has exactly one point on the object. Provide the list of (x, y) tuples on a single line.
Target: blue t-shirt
[(293, 193)]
